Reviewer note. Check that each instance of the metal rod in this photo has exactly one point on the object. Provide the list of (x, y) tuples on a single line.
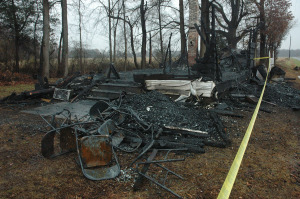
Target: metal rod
[(162, 161), (159, 184), (161, 166)]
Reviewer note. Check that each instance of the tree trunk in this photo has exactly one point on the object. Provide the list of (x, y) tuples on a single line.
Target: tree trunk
[(109, 34), (115, 36), (17, 58), (132, 47), (205, 20), (16, 67), (232, 39), (59, 70), (35, 42), (262, 46), (80, 38), (150, 50), (144, 34), (125, 36), (182, 32), (65, 37), (44, 72), (160, 33)]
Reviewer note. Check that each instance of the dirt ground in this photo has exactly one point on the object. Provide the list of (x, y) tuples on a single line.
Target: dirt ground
[(270, 169)]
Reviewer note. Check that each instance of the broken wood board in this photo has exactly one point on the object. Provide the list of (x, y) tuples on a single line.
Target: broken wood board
[(182, 87), (185, 129), (254, 100)]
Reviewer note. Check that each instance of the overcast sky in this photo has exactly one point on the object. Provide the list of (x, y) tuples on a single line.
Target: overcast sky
[(295, 31), (94, 37)]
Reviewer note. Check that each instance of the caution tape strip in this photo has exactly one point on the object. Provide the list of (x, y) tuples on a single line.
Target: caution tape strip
[(231, 176), (261, 58)]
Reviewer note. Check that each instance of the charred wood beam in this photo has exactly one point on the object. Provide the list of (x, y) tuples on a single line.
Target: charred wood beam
[(192, 141), (170, 131), (186, 130), (226, 113), (176, 145), (220, 128)]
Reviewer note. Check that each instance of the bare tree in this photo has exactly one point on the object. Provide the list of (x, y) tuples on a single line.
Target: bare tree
[(15, 15), (35, 43), (80, 36), (45, 65), (125, 36), (231, 22), (131, 39), (262, 47), (143, 9), (182, 32), (160, 31), (59, 56), (204, 24), (150, 49), (65, 37), (115, 29), (109, 34)]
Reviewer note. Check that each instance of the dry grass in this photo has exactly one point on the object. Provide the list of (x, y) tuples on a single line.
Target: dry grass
[(288, 66), (19, 87), (7, 90)]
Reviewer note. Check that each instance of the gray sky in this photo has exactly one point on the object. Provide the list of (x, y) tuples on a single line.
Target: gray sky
[(94, 37), (295, 31)]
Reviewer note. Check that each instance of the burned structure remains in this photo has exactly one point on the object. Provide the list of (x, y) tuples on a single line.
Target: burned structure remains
[(159, 116)]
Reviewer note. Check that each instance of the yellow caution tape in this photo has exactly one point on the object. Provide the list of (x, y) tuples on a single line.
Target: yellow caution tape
[(261, 58), (229, 181)]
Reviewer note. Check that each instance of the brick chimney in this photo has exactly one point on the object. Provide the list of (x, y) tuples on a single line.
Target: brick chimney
[(193, 36)]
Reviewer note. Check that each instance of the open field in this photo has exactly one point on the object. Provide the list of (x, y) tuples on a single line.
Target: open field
[(288, 66), (7, 90)]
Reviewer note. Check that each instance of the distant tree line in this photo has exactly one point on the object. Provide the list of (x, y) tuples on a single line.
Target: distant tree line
[(285, 53), (133, 28)]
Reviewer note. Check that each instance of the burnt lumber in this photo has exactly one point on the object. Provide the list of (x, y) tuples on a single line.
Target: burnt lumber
[(164, 144), (186, 130), (226, 113), (182, 132), (67, 80), (182, 139), (220, 128), (84, 91)]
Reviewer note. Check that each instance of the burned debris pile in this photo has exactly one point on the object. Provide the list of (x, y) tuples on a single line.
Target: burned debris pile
[(181, 123), (276, 94), (149, 114), (140, 123), (283, 95)]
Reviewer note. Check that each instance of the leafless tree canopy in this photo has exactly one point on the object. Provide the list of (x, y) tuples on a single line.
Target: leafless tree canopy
[(37, 32)]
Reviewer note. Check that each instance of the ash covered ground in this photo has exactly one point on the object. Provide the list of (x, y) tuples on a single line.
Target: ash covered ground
[(158, 109), (283, 95)]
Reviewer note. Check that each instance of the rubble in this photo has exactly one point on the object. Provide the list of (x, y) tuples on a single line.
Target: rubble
[(101, 116), (147, 112)]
